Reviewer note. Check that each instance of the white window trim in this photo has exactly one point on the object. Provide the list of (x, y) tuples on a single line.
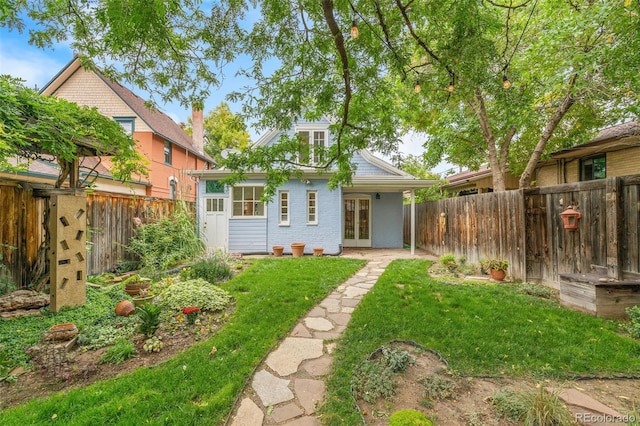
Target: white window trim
[(233, 200), (280, 221), (312, 129), (315, 221)]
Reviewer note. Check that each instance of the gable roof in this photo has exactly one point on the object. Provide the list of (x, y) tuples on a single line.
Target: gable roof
[(160, 123)]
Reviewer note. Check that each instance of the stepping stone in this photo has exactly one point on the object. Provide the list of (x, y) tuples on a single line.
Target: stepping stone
[(249, 414), (286, 412), (317, 367), (318, 324), (270, 389), (340, 319), (300, 331), (292, 351), (577, 398), (310, 393), (350, 302), (317, 312), (353, 292), (304, 421)]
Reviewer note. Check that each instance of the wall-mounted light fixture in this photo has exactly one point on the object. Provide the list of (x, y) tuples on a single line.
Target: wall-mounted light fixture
[(570, 218), (377, 195)]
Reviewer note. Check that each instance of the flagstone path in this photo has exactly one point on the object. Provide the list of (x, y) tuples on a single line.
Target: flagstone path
[(288, 387)]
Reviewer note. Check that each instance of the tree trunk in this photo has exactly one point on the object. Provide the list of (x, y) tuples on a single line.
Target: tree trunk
[(567, 102), (496, 165)]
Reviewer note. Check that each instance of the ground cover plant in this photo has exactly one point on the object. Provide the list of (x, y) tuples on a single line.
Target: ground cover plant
[(199, 385), (480, 329)]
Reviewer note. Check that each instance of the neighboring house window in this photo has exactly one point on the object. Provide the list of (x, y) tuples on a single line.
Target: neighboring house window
[(127, 123), (593, 168), (172, 188), (214, 187), (284, 208), (246, 201), (312, 207), (167, 152), (312, 146), (215, 205)]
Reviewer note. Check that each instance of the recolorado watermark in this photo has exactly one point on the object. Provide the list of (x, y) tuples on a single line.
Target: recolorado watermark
[(605, 418)]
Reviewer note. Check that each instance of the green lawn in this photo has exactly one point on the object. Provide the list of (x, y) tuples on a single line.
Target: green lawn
[(480, 329), (196, 388)]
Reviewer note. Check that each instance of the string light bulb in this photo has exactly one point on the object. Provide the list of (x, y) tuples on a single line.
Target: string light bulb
[(450, 87), (417, 87), (505, 82), (354, 29)]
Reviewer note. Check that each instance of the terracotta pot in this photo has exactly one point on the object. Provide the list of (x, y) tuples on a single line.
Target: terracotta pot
[(318, 251), (124, 308), (297, 249), (278, 250), (498, 274)]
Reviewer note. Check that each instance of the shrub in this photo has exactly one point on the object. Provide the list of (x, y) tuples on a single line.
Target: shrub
[(198, 292), (633, 326), (409, 418), (396, 359), (448, 260), (213, 269), (372, 380), (149, 315), (437, 387), (545, 409), (121, 351), (168, 242)]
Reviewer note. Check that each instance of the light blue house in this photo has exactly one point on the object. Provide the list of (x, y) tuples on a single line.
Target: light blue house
[(369, 213)]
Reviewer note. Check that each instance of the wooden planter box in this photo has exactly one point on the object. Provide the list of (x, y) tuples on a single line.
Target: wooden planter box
[(607, 299)]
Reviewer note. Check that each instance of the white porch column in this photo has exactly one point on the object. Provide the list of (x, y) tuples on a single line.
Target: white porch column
[(413, 222)]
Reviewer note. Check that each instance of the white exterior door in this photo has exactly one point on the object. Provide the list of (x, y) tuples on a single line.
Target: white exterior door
[(357, 221), (216, 223)]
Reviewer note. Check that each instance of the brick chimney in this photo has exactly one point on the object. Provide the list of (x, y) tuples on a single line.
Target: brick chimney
[(197, 125)]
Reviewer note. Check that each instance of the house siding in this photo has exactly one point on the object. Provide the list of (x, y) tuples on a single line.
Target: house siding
[(624, 162), (326, 233), (365, 168), (248, 235), (86, 88), (387, 220)]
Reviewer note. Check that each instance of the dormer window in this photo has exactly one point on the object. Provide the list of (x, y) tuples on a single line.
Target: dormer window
[(127, 123), (313, 143)]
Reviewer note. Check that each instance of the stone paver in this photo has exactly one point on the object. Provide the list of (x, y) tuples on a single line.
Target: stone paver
[(293, 350), (300, 331), (310, 393), (317, 367), (249, 414), (304, 421), (271, 389), (286, 412), (318, 324)]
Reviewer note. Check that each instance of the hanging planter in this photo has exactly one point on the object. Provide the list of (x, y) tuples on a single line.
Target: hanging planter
[(278, 250), (297, 249)]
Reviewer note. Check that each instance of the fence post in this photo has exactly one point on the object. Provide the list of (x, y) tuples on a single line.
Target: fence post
[(614, 227)]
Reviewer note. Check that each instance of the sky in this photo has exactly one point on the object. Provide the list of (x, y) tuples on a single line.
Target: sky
[(38, 66)]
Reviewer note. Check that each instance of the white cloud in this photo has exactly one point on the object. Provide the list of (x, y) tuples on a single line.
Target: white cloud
[(35, 66)]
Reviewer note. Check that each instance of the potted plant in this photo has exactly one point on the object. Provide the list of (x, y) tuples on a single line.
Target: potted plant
[(143, 296), (497, 268), (135, 283), (278, 250)]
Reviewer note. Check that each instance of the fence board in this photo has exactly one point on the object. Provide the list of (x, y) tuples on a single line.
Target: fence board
[(109, 216), (525, 228)]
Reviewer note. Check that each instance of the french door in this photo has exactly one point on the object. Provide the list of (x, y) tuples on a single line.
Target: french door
[(357, 221)]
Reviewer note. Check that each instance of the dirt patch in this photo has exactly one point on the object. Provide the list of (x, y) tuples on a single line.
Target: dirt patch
[(83, 368), (468, 400)]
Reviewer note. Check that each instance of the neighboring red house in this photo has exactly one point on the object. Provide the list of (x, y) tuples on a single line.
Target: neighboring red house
[(161, 140)]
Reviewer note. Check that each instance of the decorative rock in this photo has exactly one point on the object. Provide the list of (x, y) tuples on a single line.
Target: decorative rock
[(23, 299), (59, 332), (124, 308)]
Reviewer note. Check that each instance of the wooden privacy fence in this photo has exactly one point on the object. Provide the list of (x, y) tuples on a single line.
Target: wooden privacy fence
[(110, 226), (524, 227)]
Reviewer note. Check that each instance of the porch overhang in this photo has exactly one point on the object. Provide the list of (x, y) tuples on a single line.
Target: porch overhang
[(386, 183)]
